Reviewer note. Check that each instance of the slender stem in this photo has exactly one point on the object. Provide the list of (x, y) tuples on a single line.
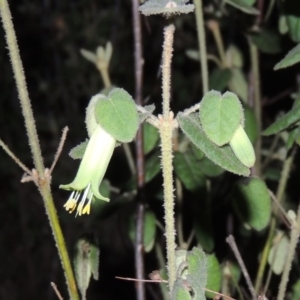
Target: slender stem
[(140, 161), (44, 186), (279, 196), (255, 74), (202, 44), (231, 241), (215, 29), (166, 68), (166, 125), (167, 170), (105, 76), (290, 256)]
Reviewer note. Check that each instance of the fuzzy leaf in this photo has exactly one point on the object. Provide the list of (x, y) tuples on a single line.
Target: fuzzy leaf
[(292, 58), (117, 115), (222, 156), (149, 109), (252, 202), (78, 151), (180, 290), (220, 116)]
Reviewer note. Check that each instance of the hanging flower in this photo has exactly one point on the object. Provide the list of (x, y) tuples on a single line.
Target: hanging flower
[(91, 172)]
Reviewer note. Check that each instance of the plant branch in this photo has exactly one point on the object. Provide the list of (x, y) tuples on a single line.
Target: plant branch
[(43, 182), (202, 44)]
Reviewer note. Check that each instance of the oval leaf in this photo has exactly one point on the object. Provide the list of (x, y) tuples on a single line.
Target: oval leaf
[(150, 136), (220, 116), (252, 202), (117, 115), (244, 6), (214, 276), (222, 156)]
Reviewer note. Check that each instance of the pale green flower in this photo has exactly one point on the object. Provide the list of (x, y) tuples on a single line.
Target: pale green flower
[(91, 172)]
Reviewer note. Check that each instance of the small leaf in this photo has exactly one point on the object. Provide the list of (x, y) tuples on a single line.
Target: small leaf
[(234, 57), (152, 167), (108, 51), (244, 6), (214, 276), (197, 272), (192, 54), (100, 53), (117, 115), (86, 262), (252, 203), (222, 156), (267, 41), (219, 79), (293, 22), (220, 116), (293, 57), (78, 151), (251, 128), (150, 136), (188, 171), (278, 252), (238, 84), (149, 230), (149, 109), (284, 122), (90, 56)]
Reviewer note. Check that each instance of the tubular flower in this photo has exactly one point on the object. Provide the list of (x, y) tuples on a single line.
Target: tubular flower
[(91, 171)]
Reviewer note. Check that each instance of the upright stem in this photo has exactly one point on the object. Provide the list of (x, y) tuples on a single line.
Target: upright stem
[(202, 44), (255, 74), (140, 163), (44, 186), (165, 128), (289, 259), (166, 69)]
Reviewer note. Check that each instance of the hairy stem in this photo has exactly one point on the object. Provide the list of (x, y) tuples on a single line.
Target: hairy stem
[(166, 126), (43, 182), (202, 44)]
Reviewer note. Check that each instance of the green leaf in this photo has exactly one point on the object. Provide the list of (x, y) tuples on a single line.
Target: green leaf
[(278, 252), (149, 230), (220, 116), (117, 115), (78, 151), (188, 171), (150, 137), (252, 203), (214, 276), (293, 23), (197, 272), (243, 5), (152, 167), (267, 41), (222, 156), (293, 57), (219, 79), (180, 290), (251, 128), (238, 84), (86, 262), (284, 122), (209, 168)]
